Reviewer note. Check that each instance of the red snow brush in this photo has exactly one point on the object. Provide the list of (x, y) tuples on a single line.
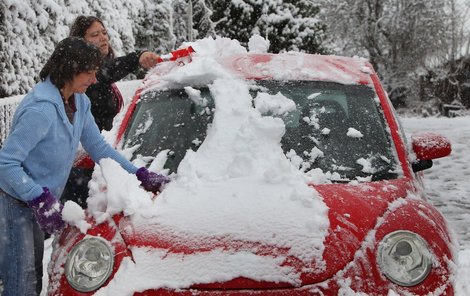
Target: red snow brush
[(182, 55)]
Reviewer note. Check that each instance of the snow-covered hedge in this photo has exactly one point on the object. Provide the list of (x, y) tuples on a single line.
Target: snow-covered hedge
[(30, 29), (7, 109)]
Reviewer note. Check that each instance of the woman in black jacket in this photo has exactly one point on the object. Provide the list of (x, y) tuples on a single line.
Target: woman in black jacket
[(105, 97)]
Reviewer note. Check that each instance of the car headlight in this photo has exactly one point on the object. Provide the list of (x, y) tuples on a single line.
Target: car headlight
[(89, 264), (404, 258)]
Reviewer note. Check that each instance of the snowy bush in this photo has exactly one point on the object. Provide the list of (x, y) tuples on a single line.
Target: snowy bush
[(29, 29)]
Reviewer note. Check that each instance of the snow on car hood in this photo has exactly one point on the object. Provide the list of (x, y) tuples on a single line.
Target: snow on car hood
[(238, 186)]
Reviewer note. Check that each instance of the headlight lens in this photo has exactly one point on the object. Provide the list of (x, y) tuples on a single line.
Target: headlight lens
[(89, 264), (404, 258)]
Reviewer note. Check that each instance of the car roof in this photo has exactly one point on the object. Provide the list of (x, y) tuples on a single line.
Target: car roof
[(263, 66), (301, 66)]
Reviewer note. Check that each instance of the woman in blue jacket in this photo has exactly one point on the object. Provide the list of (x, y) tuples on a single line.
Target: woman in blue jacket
[(37, 156)]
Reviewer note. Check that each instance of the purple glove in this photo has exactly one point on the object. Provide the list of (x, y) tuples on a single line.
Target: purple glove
[(48, 212), (150, 180)]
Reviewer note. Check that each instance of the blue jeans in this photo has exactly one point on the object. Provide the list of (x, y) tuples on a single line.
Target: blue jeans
[(21, 248)]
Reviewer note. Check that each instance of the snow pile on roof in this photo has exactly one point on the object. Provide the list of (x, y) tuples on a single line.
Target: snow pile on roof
[(226, 58)]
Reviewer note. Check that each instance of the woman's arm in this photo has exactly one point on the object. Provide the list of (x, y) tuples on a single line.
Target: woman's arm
[(95, 145), (118, 68), (98, 148)]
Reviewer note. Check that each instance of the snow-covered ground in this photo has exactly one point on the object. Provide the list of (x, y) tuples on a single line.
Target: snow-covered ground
[(448, 183)]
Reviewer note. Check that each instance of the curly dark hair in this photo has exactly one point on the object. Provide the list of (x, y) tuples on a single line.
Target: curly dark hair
[(70, 57), (81, 25)]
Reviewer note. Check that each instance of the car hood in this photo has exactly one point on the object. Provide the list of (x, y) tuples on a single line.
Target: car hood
[(353, 212)]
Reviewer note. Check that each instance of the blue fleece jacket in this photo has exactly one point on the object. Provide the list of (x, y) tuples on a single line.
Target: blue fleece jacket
[(41, 147)]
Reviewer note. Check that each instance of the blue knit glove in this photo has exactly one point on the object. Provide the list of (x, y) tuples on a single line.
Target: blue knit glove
[(48, 211), (150, 180)]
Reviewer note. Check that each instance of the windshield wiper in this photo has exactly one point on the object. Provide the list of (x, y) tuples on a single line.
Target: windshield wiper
[(342, 181), (384, 175)]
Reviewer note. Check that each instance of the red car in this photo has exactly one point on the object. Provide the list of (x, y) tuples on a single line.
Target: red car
[(374, 233)]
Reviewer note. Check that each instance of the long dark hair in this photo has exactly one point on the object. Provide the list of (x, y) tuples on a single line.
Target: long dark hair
[(81, 25), (70, 57)]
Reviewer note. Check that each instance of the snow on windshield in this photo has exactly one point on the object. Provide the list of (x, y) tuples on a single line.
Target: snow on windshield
[(238, 186)]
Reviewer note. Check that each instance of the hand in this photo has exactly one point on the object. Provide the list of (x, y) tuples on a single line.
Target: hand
[(48, 212), (148, 59), (150, 180)]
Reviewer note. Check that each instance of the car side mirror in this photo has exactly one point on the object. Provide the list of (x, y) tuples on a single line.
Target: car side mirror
[(429, 146)]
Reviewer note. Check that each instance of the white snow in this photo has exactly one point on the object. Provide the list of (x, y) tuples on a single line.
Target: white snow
[(273, 104), (258, 44), (175, 271), (354, 133), (74, 215)]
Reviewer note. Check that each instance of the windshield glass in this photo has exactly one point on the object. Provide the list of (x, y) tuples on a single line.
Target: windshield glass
[(336, 128)]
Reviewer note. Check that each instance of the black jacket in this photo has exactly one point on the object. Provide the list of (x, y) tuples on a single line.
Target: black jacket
[(106, 100)]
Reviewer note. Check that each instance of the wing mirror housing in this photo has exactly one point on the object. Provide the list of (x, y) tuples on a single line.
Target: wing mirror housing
[(429, 146)]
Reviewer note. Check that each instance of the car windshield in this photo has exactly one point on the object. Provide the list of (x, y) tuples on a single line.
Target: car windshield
[(335, 127)]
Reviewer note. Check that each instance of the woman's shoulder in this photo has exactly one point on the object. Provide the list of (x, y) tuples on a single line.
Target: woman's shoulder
[(43, 94), (45, 90), (34, 106)]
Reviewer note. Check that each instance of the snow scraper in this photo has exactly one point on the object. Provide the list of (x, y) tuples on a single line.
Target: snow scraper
[(182, 55)]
